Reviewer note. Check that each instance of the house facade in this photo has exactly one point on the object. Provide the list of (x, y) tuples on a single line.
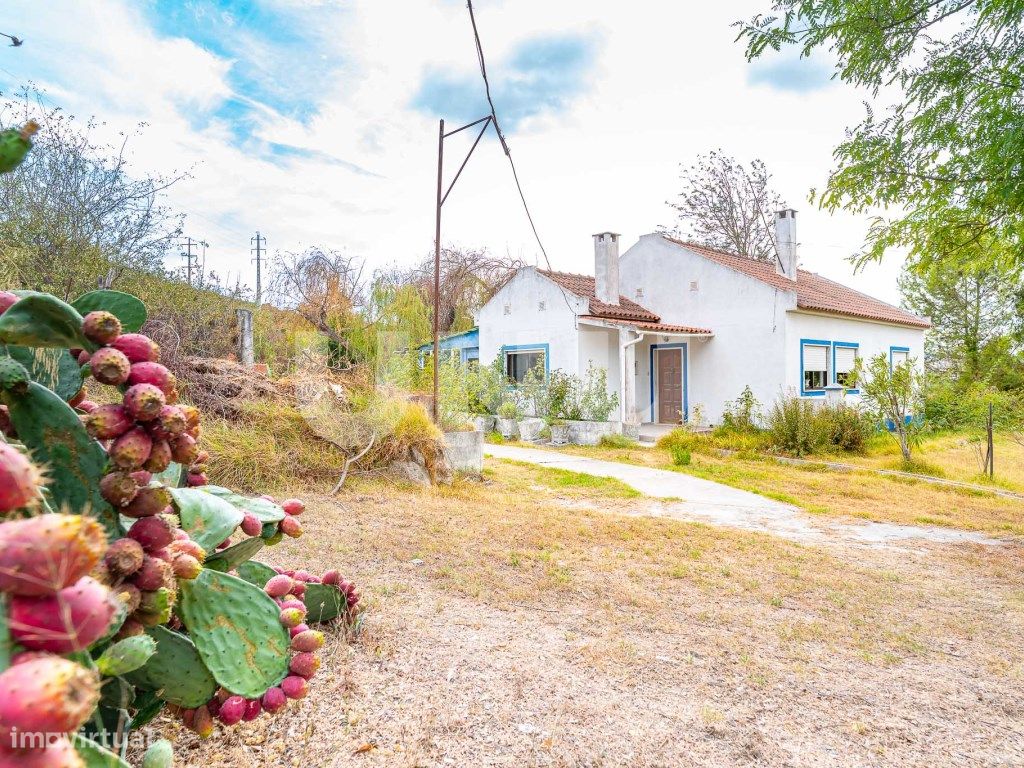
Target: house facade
[(682, 329)]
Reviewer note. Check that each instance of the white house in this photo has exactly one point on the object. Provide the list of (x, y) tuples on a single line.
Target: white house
[(678, 325)]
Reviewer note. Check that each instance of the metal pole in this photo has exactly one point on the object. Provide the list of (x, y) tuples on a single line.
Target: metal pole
[(437, 266)]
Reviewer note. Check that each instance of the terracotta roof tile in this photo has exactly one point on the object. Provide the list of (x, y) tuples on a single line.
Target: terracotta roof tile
[(644, 326), (584, 287), (812, 290)]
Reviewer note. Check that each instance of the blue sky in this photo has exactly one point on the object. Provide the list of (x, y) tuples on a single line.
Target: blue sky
[(315, 120)]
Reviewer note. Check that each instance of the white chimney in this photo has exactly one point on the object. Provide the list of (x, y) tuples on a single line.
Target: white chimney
[(606, 267), (785, 243)]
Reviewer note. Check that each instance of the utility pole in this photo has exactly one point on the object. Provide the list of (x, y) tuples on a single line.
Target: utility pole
[(441, 136), (192, 259), (260, 243)]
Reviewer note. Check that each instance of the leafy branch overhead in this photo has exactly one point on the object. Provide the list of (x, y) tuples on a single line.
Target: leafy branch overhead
[(943, 158)]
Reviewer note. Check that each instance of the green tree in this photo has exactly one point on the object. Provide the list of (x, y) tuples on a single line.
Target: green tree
[(945, 157), (893, 395), (973, 312)]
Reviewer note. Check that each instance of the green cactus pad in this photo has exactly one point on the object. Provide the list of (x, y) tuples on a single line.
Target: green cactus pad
[(148, 706), (266, 511), (172, 477), (323, 602), (237, 631), (255, 573), (95, 756), (176, 672), (126, 655), (125, 307), (54, 368), (207, 519), (228, 559), (41, 320), (13, 375), (117, 693), (54, 435)]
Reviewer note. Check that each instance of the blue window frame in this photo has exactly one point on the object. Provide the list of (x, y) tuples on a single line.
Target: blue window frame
[(686, 387), (814, 368), (838, 376), (519, 358), (897, 352)]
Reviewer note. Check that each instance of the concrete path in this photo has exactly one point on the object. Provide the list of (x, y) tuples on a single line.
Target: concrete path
[(693, 498)]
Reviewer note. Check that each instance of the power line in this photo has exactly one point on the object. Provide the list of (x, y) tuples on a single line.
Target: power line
[(501, 136)]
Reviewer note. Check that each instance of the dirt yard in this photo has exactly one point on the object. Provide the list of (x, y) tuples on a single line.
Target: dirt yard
[(528, 621)]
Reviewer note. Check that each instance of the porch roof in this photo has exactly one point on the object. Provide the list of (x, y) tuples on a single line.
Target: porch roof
[(650, 327)]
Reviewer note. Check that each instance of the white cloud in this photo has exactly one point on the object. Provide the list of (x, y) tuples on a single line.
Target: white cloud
[(669, 83)]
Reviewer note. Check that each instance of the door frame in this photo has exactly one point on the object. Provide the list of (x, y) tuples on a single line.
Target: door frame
[(654, 375)]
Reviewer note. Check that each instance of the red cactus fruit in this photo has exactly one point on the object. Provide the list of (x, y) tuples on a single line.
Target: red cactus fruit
[(137, 348), (202, 722), (45, 694), (295, 687), (159, 457), (274, 700), (304, 664), (152, 532), (192, 416), (101, 327), (251, 525), (83, 357), (55, 753), (196, 480), (184, 449), (41, 555), (131, 450), (308, 641), (292, 617), (118, 488), (330, 577), (152, 373), (124, 557), (153, 574), (291, 526), (87, 406), (232, 710), (304, 576), (129, 595), (299, 589), (279, 585), (108, 422), (292, 602), (170, 422), (203, 457), (143, 402), (293, 507), (252, 710), (69, 621), (186, 567), (7, 300), (19, 479), (6, 427), (298, 630), (108, 366), (187, 547), (149, 501)]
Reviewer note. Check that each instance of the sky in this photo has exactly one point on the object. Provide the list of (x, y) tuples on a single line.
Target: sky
[(315, 121)]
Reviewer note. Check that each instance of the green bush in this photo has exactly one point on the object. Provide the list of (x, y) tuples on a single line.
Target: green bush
[(617, 441), (795, 427), (680, 456), (744, 413), (952, 405), (732, 439), (846, 428)]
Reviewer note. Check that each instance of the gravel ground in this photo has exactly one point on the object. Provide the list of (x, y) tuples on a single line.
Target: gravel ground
[(438, 676)]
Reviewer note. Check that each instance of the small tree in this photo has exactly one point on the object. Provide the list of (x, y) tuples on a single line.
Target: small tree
[(893, 395)]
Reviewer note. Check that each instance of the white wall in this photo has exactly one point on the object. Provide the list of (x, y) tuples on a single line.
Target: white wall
[(872, 338), (555, 325), (600, 346), (748, 319)]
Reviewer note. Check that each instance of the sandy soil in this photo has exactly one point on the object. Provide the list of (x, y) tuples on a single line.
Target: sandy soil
[(450, 669)]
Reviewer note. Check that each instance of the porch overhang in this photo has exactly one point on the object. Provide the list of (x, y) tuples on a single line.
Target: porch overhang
[(643, 328)]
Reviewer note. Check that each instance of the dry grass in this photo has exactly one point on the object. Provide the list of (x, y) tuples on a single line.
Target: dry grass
[(864, 495), (543, 628)]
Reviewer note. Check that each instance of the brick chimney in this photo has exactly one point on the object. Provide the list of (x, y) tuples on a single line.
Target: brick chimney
[(785, 243), (606, 267)]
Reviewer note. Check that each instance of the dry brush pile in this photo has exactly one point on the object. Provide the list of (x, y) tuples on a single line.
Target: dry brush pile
[(127, 585)]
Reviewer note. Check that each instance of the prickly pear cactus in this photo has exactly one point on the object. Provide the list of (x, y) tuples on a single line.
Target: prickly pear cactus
[(41, 320), (175, 672), (323, 602), (256, 573), (207, 519), (125, 307), (266, 511), (237, 632), (55, 369), (232, 557)]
